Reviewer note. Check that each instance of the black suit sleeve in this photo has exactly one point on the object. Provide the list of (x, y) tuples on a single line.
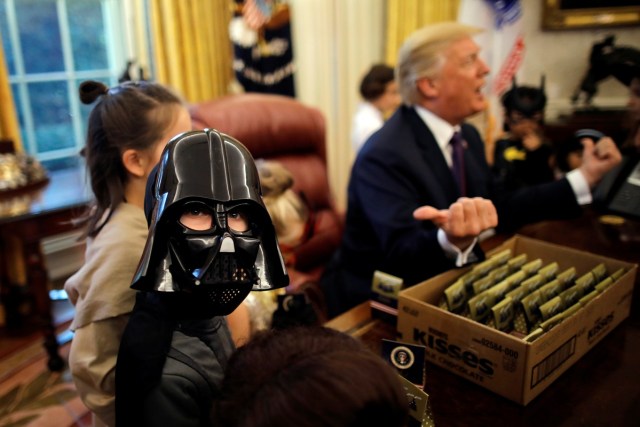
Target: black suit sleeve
[(552, 200)]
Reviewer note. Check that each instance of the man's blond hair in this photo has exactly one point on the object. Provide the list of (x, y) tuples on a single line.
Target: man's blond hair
[(422, 55)]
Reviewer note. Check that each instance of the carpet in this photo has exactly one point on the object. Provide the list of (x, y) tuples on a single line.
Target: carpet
[(31, 395)]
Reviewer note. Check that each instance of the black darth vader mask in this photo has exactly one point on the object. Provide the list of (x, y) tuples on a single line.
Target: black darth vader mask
[(210, 234)]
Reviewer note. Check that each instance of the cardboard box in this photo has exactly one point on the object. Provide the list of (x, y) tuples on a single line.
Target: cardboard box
[(501, 362)]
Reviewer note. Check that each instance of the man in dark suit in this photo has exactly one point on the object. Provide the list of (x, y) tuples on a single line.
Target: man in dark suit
[(416, 206)]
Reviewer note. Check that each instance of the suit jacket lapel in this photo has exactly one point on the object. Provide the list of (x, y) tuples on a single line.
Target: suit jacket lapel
[(445, 187), (475, 174)]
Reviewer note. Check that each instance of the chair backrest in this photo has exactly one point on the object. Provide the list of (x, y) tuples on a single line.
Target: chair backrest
[(275, 127)]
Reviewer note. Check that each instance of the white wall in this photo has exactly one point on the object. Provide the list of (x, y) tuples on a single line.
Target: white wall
[(563, 56)]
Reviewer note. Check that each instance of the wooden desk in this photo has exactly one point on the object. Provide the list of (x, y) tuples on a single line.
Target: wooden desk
[(612, 122), (31, 216), (600, 389)]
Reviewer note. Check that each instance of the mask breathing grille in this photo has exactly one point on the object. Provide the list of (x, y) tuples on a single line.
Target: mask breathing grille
[(225, 296)]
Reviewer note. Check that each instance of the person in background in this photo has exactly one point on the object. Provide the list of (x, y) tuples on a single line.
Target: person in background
[(628, 73), (523, 157), (416, 203), (380, 98), (294, 224), (211, 241), (292, 218), (128, 129), (634, 111), (624, 65), (313, 377), (615, 192)]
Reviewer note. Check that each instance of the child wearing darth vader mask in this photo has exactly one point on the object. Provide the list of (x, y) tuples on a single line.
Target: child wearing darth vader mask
[(211, 242)]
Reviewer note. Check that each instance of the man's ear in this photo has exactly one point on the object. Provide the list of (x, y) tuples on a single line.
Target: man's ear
[(133, 162), (427, 87)]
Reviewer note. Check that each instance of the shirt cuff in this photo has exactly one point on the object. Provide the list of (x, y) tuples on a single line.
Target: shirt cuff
[(453, 252), (580, 187)]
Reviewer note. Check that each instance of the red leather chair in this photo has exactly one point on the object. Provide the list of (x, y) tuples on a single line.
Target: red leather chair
[(280, 128)]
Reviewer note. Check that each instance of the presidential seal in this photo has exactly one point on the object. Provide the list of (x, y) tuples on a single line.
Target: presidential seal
[(402, 357)]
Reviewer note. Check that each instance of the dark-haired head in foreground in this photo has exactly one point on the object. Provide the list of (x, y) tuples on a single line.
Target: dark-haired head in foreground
[(309, 377)]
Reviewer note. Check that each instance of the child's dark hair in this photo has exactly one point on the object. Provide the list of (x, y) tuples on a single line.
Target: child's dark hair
[(309, 376), (374, 83), (127, 116), (525, 99)]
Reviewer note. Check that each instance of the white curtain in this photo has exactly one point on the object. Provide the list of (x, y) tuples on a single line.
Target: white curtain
[(137, 36), (335, 42)]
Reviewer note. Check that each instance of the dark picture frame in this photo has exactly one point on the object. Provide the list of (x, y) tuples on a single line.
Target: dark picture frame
[(579, 14)]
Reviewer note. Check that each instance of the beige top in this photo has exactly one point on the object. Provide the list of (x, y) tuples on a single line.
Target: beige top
[(100, 289), (103, 301)]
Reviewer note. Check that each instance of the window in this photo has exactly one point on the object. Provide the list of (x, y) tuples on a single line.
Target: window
[(50, 47)]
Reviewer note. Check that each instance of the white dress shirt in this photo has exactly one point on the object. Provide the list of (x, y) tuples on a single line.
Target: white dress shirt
[(442, 132), (366, 121)]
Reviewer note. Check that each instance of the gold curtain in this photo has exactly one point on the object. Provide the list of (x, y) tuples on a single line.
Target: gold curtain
[(406, 16), (9, 128), (12, 261), (191, 45)]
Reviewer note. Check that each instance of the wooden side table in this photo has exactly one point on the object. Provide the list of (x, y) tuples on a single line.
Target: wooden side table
[(31, 216)]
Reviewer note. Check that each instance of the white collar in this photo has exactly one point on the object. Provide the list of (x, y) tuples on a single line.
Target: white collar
[(369, 108), (441, 129)]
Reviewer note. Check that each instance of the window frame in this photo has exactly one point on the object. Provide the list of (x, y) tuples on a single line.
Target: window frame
[(119, 49)]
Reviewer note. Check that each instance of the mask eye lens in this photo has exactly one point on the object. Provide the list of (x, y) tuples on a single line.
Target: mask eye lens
[(196, 218), (238, 220)]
